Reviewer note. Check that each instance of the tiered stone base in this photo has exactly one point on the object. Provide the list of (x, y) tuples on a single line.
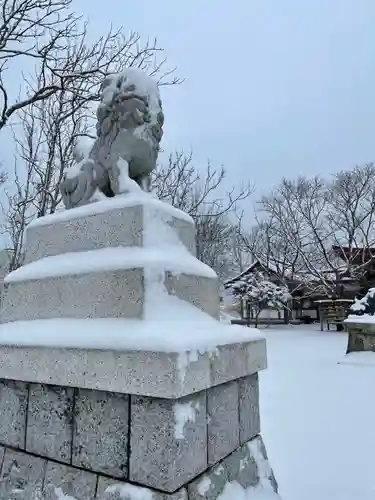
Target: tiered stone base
[(84, 423), (88, 444)]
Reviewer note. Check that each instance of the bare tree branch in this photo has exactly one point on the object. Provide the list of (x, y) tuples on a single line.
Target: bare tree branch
[(319, 229), (201, 194), (50, 34)]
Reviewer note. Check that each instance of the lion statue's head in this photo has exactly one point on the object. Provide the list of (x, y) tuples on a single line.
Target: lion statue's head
[(131, 102)]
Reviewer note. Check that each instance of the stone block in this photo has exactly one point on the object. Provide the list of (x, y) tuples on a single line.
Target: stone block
[(64, 482), (209, 485), (223, 421), (241, 466), (107, 294), (13, 408), (116, 294), (168, 441), (116, 225), (248, 388), (361, 336), (158, 374), (248, 466), (200, 291), (256, 356), (49, 422), (21, 476), (147, 373), (185, 231), (258, 450), (113, 228), (230, 363), (101, 424), (109, 489)]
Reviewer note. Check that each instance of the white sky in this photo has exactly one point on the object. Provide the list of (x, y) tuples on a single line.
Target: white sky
[(273, 87)]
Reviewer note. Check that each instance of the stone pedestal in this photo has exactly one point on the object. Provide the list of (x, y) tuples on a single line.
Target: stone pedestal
[(119, 421), (361, 335)]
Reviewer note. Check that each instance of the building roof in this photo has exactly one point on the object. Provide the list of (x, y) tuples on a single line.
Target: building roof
[(257, 263)]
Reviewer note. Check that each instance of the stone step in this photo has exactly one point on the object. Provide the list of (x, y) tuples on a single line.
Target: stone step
[(161, 370), (107, 283), (115, 222)]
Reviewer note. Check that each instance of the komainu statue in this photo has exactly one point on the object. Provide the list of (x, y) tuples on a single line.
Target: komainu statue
[(129, 130)]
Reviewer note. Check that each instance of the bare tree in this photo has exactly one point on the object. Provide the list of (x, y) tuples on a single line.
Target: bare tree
[(351, 212), (202, 194), (318, 228), (17, 214), (264, 242), (48, 34), (242, 254)]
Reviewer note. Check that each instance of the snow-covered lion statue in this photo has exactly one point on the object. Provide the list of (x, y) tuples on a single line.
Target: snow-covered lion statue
[(129, 130)]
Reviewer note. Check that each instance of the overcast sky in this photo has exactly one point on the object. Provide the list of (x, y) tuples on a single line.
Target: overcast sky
[(273, 87)]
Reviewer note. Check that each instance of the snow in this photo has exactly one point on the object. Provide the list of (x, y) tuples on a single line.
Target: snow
[(234, 491), (107, 259), (364, 358), (263, 490), (126, 185), (363, 307), (117, 202), (158, 234), (60, 495), (75, 169), (183, 413), (130, 492), (317, 416), (365, 318), (204, 485), (358, 306), (195, 336), (145, 86)]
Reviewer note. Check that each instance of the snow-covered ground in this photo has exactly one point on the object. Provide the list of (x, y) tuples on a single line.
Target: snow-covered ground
[(318, 417)]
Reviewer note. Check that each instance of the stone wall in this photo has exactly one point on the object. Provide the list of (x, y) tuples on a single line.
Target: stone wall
[(93, 444)]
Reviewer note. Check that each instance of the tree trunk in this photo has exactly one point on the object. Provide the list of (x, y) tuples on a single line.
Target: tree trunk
[(248, 312), (256, 319), (286, 316)]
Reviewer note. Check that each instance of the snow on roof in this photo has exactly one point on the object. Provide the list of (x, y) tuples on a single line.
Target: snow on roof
[(329, 301), (287, 274), (249, 269)]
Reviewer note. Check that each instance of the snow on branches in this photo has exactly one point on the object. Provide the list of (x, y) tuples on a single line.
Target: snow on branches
[(261, 293)]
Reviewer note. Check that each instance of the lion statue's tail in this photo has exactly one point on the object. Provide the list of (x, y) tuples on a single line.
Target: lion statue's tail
[(78, 185)]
